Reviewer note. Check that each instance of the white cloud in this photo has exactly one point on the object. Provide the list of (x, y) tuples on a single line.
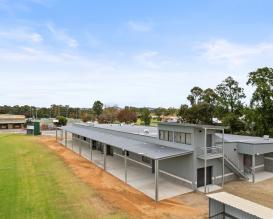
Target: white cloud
[(155, 60), (62, 36), (140, 26), (21, 34), (224, 51)]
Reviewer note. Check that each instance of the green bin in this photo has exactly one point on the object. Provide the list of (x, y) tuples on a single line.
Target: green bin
[(37, 130)]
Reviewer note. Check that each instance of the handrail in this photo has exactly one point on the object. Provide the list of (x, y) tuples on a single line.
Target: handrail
[(211, 150), (232, 162)]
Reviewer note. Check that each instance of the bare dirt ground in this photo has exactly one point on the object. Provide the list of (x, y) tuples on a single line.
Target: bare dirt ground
[(124, 197), (261, 192)]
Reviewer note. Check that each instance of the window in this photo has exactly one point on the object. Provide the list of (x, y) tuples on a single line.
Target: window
[(127, 153), (146, 159), (188, 138), (170, 137), (179, 137), (166, 136), (161, 134)]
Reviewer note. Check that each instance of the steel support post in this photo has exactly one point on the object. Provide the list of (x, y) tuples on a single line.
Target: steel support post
[(125, 166), (104, 156), (253, 168), (223, 154), (65, 140), (205, 161), (90, 145), (80, 147), (72, 144), (156, 180)]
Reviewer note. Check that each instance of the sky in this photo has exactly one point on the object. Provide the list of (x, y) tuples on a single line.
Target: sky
[(128, 52)]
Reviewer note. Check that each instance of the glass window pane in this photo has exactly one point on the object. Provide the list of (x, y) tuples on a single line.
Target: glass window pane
[(188, 138), (179, 137), (183, 140), (166, 136), (170, 136)]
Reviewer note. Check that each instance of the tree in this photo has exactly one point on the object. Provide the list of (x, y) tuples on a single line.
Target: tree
[(262, 99), (183, 113), (229, 106), (195, 96), (170, 111), (85, 117), (62, 120), (109, 115), (127, 115), (159, 112), (145, 116), (230, 96), (199, 113), (97, 108)]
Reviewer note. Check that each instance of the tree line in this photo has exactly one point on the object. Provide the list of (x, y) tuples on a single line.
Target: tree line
[(223, 105)]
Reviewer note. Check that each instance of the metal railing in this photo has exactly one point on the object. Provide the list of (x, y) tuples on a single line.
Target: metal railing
[(210, 151), (237, 166)]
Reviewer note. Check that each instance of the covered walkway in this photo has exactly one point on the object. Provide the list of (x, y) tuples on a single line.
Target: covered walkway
[(156, 184)]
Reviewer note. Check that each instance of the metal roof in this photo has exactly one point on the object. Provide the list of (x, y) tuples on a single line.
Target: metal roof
[(243, 205), (193, 125), (153, 151), (135, 129), (245, 139)]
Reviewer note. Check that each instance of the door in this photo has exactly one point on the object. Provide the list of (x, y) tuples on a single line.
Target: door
[(247, 163), (209, 143), (109, 150), (201, 176)]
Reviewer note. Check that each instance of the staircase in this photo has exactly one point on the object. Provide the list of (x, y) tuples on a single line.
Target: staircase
[(232, 166)]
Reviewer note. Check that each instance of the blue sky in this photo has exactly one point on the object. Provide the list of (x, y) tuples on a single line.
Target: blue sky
[(128, 52)]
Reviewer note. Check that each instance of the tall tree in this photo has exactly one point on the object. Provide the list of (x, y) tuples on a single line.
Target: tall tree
[(229, 104), (97, 108), (196, 95), (230, 95), (145, 116), (183, 113), (127, 115), (109, 115), (262, 99)]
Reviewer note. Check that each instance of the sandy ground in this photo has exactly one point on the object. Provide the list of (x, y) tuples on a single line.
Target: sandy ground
[(123, 196), (261, 192)]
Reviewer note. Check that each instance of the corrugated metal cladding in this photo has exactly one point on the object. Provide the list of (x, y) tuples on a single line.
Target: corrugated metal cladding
[(218, 210), (268, 164)]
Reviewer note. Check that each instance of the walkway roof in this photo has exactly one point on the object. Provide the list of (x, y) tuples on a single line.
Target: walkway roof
[(153, 151), (242, 204), (245, 139)]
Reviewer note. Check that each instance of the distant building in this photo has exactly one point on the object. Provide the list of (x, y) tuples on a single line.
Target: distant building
[(8, 121)]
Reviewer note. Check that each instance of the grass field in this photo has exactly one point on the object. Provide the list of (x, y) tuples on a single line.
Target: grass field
[(36, 183)]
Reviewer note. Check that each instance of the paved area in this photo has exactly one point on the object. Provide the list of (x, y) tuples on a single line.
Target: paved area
[(210, 188), (139, 176), (261, 176)]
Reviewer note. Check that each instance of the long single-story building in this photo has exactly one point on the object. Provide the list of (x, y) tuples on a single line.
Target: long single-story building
[(8, 121), (173, 158)]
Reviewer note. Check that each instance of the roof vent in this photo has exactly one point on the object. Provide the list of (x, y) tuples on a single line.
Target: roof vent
[(266, 137), (146, 131)]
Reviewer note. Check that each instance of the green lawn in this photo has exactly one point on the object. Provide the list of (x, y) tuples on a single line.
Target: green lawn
[(36, 183)]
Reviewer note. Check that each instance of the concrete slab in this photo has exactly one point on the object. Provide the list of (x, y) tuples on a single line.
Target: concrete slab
[(139, 176), (261, 176), (210, 188)]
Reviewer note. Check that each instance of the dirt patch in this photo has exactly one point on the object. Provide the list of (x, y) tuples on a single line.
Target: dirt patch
[(261, 192), (122, 196)]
